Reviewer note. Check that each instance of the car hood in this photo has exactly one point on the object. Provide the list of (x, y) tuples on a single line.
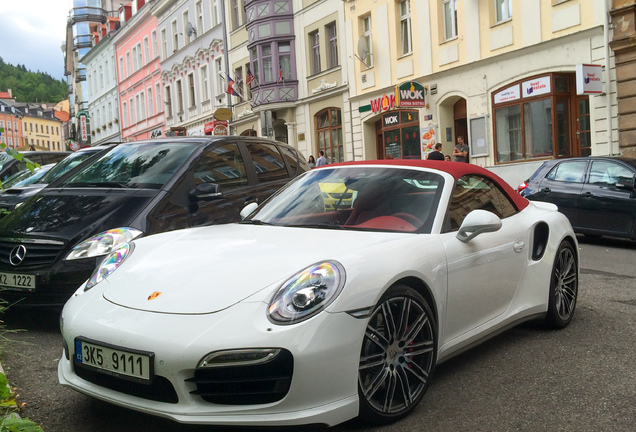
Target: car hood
[(205, 270), (13, 196), (73, 215)]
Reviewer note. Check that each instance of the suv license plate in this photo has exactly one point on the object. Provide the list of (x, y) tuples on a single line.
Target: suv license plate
[(17, 281), (114, 361)]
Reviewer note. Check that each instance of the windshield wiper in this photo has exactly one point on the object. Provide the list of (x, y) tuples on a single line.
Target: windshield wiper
[(327, 226), (254, 222), (110, 184)]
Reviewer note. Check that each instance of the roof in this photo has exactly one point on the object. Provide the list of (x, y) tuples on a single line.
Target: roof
[(456, 169), (5, 95)]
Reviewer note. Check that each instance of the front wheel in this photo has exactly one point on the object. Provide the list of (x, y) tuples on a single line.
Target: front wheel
[(564, 287), (398, 356)]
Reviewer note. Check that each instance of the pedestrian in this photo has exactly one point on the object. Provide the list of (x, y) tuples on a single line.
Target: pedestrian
[(436, 154), (322, 160), (311, 161), (461, 150), (447, 158)]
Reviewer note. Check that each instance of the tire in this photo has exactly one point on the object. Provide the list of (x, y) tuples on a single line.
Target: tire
[(398, 356), (564, 287)]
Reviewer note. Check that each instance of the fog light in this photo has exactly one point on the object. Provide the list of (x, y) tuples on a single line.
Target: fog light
[(240, 357)]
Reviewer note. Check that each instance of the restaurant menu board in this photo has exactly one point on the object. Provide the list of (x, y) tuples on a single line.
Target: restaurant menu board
[(392, 144)]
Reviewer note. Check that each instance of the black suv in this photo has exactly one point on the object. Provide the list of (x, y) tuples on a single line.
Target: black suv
[(50, 245)]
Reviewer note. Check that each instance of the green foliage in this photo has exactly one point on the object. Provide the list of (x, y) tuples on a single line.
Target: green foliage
[(27, 86)]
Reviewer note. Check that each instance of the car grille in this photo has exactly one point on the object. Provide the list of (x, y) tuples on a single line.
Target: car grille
[(246, 385), (39, 252), (341, 195), (160, 389)]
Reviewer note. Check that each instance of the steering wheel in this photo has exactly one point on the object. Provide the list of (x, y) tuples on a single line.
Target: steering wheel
[(409, 218)]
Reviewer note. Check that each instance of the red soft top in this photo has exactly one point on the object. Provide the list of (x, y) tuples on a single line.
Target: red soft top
[(456, 169)]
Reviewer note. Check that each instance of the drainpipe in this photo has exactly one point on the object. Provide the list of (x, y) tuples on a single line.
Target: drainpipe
[(608, 108), (227, 58)]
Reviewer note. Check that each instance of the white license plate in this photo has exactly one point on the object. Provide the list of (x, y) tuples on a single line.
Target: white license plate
[(17, 281), (118, 362)]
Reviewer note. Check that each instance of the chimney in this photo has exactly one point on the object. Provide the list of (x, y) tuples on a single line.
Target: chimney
[(10, 93)]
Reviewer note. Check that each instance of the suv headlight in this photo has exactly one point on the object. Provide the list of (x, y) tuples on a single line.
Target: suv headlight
[(307, 293), (109, 265), (103, 243)]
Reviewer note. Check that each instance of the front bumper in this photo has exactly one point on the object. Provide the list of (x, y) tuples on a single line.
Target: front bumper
[(325, 352)]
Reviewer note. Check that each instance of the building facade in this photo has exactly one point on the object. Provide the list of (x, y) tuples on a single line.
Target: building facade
[(11, 122), (500, 73), (41, 129), (139, 72)]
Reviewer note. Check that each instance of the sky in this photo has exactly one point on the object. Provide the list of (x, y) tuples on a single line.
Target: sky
[(32, 32)]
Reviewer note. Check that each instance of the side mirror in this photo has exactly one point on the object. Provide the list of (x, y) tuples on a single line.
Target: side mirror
[(478, 222), (206, 192), (627, 184), (248, 210)]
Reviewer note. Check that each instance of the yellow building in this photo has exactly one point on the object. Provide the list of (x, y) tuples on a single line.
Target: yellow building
[(41, 129), (501, 73)]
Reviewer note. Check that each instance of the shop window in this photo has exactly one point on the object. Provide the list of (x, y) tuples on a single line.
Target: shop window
[(400, 135), (329, 131)]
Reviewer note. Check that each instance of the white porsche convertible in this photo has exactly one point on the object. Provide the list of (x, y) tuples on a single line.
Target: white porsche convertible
[(315, 312)]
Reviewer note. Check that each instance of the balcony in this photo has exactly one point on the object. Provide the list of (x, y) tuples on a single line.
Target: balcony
[(87, 10), (80, 74)]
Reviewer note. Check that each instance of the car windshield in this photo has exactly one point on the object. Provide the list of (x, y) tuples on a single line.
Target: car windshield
[(26, 177), (356, 198), (135, 165), (64, 166), (4, 158)]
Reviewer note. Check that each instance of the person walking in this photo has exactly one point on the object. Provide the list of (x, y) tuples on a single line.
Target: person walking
[(461, 150), (322, 160), (436, 154)]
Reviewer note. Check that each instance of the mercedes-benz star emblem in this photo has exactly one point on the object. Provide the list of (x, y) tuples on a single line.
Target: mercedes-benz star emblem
[(17, 255)]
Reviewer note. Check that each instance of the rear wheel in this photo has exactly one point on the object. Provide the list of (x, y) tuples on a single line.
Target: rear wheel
[(398, 356), (564, 287)]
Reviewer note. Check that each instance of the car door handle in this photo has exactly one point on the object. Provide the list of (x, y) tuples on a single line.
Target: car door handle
[(546, 190), (587, 194)]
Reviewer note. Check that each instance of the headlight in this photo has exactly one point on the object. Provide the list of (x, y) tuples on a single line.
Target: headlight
[(103, 243), (307, 293), (109, 265)]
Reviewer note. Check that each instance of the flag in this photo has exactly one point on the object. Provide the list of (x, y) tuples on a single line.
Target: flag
[(249, 78), (230, 86), (280, 75)]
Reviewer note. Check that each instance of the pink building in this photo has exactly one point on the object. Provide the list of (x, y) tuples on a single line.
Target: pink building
[(139, 73)]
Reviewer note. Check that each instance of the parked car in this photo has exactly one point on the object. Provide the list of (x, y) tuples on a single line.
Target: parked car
[(241, 324), (16, 192), (25, 177), (10, 165), (51, 244), (597, 194)]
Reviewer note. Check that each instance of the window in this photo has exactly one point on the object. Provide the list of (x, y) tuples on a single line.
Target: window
[(168, 99), (141, 107), (140, 60), (205, 91), (220, 90), (106, 72), (133, 116), (158, 93), (235, 14), (573, 172), (405, 26), (101, 77), (367, 33), (128, 64), (151, 105), (329, 131), (332, 41), (155, 49), (215, 12), (607, 173), (284, 59), (125, 112), (223, 166), (122, 72), (186, 21), (503, 10), (314, 42), (473, 192), (268, 162), (164, 44), (199, 9), (449, 12), (192, 93), (146, 51), (266, 58), (257, 73), (179, 97), (135, 59), (175, 36)]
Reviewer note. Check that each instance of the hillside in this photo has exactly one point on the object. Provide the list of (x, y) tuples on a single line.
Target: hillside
[(28, 86)]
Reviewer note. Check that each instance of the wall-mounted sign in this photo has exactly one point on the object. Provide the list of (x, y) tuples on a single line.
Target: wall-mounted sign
[(83, 126), (589, 79), (507, 95), (216, 127), (536, 87), (384, 103), (156, 133), (410, 94), (391, 119)]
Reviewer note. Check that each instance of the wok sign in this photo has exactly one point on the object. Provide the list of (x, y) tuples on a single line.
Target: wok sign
[(410, 94)]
